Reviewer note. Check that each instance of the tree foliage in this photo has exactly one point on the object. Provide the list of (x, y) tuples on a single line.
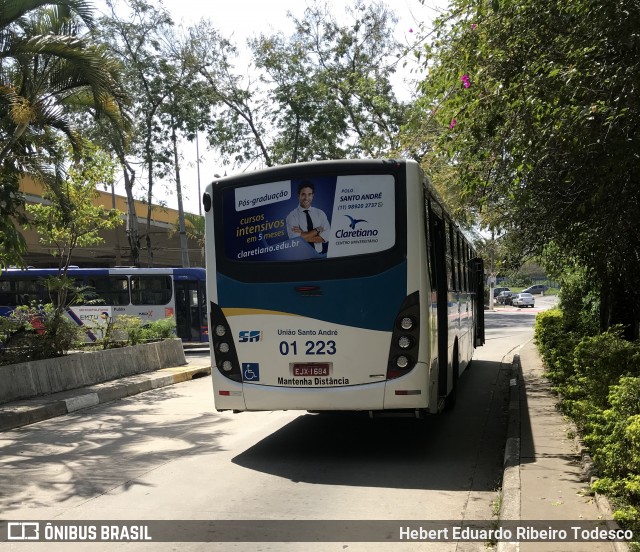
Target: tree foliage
[(134, 31), (331, 84), (170, 103), (50, 72), (70, 218), (536, 107), (324, 92)]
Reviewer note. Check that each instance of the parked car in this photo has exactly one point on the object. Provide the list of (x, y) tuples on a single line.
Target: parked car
[(498, 290), (523, 300), (538, 288), (505, 298)]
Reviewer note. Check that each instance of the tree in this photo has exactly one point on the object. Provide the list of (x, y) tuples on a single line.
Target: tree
[(308, 122), (183, 113), (353, 64), (322, 93), (538, 115), (49, 72), (112, 139), (238, 130), (77, 194), (136, 40), (12, 243)]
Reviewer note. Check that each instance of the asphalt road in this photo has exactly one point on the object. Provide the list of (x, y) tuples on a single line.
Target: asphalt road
[(168, 455)]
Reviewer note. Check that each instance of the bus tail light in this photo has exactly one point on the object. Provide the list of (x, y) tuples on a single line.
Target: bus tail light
[(224, 348), (403, 352)]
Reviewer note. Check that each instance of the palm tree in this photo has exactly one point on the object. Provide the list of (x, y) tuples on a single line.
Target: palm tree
[(50, 74)]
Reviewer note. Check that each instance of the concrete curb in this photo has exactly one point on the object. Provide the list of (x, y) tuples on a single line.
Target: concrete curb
[(604, 506), (37, 378), (510, 500), (29, 411)]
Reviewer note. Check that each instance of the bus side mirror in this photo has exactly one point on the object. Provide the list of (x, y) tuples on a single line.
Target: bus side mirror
[(206, 202)]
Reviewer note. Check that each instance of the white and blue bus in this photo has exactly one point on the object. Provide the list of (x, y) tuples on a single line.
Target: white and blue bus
[(338, 285), (148, 293)]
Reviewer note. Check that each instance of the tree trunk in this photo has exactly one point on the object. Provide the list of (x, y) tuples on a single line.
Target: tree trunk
[(605, 308), (149, 204), (132, 229), (619, 307), (184, 245)]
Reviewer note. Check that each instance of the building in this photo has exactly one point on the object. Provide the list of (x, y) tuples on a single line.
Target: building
[(115, 250)]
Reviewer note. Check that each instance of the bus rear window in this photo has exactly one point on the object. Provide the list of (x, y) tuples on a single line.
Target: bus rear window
[(310, 218)]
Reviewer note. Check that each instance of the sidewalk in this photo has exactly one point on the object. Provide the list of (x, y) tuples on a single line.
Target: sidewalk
[(545, 476), (28, 411)]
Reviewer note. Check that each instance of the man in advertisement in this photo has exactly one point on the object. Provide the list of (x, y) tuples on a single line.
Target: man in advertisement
[(307, 222)]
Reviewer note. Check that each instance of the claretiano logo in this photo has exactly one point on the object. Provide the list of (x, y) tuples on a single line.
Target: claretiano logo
[(356, 232)]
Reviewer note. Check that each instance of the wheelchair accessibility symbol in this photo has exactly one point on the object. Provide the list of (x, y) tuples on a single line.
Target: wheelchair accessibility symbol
[(250, 371)]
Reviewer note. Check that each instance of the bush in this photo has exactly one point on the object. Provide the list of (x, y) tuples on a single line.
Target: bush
[(598, 377), (580, 302), (615, 442), (520, 280), (585, 374), (600, 362), (126, 329), (556, 344), (37, 332), (162, 329)]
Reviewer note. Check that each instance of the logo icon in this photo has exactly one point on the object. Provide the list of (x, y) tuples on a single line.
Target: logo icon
[(250, 371), (23, 530), (354, 221), (250, 336)]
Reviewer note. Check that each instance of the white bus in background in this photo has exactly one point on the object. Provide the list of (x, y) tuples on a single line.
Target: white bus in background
[(148, 293), (376, 307)]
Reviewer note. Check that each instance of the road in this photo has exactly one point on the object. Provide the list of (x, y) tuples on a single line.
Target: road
[(168, 455)]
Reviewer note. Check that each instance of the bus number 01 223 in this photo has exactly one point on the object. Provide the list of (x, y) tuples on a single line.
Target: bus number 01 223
[(311, 348)]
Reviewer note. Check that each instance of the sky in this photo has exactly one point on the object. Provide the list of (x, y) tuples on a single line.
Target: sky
[(244, 19)]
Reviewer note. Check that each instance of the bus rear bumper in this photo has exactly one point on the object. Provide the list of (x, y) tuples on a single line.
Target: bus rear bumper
[(402, 394), (352, 397)]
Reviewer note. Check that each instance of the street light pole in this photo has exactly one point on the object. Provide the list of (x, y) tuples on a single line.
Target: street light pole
[(492, 276), (198, 172)]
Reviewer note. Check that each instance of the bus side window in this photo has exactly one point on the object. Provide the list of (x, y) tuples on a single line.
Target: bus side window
[(151, 290), (451, 279), (108, 290), (118, 290), (454, 256), (464, 265), (29, 290), (7, 296), (459, 262), (428, 229)]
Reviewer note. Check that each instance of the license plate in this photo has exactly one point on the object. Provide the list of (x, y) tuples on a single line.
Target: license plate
[(311, 368)]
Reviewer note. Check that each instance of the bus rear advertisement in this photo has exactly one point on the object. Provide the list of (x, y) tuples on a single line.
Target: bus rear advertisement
[(338, 285)]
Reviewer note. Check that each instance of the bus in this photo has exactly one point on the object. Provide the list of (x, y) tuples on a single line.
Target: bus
[(339, 286), (148, 293)]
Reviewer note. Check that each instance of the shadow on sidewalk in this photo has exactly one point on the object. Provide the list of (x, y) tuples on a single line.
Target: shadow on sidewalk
[(544, 436)]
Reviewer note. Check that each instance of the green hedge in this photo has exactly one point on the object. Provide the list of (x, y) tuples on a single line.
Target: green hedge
[(556, 343), (39, 332), (597, 377)]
